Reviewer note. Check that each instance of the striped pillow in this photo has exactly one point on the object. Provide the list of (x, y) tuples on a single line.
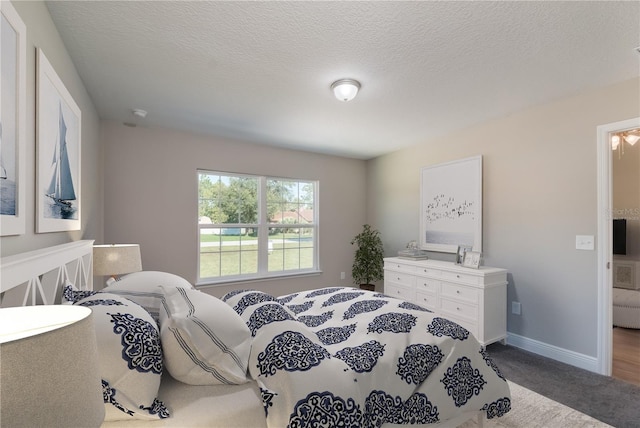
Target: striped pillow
[(204, 341), (143, 288)]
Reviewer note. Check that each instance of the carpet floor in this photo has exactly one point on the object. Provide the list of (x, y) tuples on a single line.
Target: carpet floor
[(604, 398), (532, 410)]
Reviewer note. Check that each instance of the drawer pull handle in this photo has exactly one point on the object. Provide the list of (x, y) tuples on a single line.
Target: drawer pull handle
[(457, 309), (457, 276), (457, 291)]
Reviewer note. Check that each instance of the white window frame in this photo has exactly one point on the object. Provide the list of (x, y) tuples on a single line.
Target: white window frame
[(263, 227)]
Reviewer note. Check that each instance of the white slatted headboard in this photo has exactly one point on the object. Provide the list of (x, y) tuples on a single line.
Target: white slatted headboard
[(37, 277)]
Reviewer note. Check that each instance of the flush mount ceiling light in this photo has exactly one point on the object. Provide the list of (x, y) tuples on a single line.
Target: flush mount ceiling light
[(139, 112), (345, 89)]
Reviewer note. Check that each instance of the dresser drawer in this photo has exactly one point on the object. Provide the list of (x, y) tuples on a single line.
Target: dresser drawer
[(399, 292), (399, 267), (402, 278), (459, 292), (461, 277), (427, 300), (459, 309), (428, 271), (427, 285)]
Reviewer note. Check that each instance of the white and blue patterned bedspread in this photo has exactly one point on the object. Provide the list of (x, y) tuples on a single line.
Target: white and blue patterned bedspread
[(344, 357)]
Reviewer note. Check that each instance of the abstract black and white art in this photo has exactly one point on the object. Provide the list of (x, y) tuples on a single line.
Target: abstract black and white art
[(451, 205), (59, 123)]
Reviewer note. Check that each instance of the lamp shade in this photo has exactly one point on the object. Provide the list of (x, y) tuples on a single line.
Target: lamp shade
[(49, 373), (116, 259)]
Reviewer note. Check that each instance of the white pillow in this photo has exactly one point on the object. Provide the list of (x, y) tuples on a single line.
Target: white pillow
[(129, 356), (204, 341), (142, 288)]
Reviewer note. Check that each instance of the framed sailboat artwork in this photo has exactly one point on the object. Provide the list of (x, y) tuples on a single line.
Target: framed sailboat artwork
[(59, 161), (13, 116)]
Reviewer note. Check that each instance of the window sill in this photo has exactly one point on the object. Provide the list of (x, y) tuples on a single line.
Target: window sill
[(216, 283)]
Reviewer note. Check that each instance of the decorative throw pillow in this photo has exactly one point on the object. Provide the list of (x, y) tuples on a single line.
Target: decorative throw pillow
[(143, 288), (205, 342), (130, 357)]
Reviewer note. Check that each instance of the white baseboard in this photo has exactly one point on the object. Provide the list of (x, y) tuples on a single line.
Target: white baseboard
[(555, 353)]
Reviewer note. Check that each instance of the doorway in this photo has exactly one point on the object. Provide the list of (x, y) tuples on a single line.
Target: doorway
[(605, 248)]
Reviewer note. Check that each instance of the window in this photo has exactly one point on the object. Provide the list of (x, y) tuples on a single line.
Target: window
[(255, 227)]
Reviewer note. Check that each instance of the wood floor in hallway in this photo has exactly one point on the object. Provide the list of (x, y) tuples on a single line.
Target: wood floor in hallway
[(626, 355)]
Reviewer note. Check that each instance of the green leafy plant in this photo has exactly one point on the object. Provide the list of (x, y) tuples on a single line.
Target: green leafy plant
[(368, 264)]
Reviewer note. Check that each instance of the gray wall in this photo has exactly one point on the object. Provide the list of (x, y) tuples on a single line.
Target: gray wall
[(42, 33), (539, 192), (151, 198)]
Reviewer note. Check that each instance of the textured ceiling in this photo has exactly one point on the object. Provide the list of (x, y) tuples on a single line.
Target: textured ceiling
[(261, 71)]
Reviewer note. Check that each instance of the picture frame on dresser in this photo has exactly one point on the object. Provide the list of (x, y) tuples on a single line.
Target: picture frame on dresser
[(13, 116), (471, 259), (451, 205), (460, 253)]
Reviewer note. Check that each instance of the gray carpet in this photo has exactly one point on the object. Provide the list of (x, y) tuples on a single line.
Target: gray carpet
[(532, 410), (609, 400)]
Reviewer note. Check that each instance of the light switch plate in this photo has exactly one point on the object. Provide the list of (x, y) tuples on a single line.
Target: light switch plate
[(585, 242)]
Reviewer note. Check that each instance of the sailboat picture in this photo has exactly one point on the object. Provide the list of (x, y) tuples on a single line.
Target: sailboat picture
[(7, 183), (13, 113), (60, 190), (58, 153), (8, 201)]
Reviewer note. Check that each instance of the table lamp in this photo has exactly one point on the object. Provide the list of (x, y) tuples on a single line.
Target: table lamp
[(49, 370), (116, 259)]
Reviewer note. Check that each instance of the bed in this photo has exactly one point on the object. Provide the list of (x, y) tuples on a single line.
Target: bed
[(329, 357)]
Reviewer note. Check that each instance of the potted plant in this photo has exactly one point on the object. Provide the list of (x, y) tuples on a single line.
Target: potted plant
[(368, 263)]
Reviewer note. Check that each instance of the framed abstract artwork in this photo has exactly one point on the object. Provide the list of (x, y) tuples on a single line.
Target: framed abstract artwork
[(59, 161), (13, 116), (451, 206)]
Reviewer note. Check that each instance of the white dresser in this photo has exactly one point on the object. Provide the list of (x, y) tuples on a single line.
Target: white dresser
[(474, 298)]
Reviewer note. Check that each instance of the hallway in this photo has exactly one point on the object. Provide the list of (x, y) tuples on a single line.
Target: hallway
[(626, 355)]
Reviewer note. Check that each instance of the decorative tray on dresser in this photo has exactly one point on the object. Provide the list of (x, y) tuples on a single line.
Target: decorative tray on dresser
[(474, 298)]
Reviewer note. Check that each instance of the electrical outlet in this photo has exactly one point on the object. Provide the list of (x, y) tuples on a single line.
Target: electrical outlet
[(342, 275), (516, 308)]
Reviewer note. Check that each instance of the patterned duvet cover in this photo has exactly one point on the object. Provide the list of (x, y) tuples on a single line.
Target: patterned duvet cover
[(344, 357)]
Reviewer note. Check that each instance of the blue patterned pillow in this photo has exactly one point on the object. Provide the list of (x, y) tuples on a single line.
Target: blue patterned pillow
[(130, 357)]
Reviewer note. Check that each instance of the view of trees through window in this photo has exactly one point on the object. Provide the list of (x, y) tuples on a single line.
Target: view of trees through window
[(254, 226)]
